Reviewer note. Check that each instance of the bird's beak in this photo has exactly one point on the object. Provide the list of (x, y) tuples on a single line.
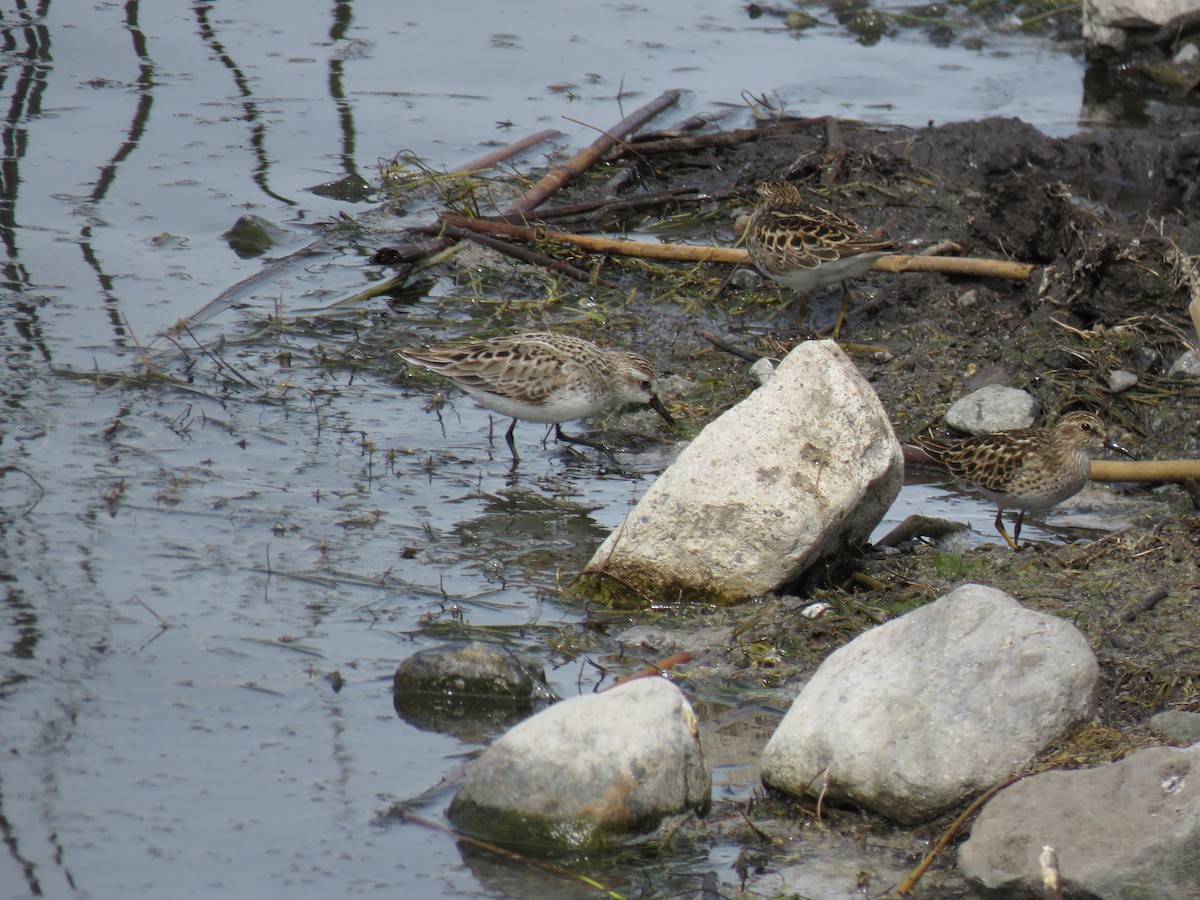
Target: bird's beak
[(657, 406), (1117, 448)]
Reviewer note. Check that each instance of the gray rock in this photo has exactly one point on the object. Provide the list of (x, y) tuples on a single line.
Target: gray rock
[(1176, 725), (914, 716), (253, 235), (469, 689), (993, 407), (1186, 366), (802, 468), (763, 370), (472, 670), (1110, 25), (1120, 380), (1121, 831), (745, 278), (592, 772)]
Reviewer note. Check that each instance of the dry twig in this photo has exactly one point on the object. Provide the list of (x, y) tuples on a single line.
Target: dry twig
[(723, 138), (995, 268), (586, 158), (1146, 470), (906, 886), (524, 254)]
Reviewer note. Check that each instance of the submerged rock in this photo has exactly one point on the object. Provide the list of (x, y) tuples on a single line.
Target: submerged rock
[(911, 718), (1128, 829), (800, 470), (253, 236), (469, 689), (591, 772)]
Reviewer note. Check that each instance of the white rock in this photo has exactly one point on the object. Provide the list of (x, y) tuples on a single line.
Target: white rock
[(763, 370), (1188, 53), (1103, 19), (799, 470), (1120, 380), (1186, 366), (914, 716), (993, 407), (590, 772)]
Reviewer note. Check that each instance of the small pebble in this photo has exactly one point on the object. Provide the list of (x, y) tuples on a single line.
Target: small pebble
[(814, 610), (1188, 53), (745, 279), (1120, 380), (763, 370), (1187, 365), (1176, 725)]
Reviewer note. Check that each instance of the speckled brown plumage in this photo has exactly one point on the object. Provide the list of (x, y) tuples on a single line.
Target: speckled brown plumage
[(804, 246), (545, 377), (1030, 468)]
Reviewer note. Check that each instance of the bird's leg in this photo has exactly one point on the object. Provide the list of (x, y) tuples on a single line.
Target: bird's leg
[(1004, 531), (512, 445), (571, 439), (1017, 530), (841, 319), (802, 310)]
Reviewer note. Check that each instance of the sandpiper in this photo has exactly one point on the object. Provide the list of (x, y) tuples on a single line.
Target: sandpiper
[(806, 247), (1029, 468), (545, 377)]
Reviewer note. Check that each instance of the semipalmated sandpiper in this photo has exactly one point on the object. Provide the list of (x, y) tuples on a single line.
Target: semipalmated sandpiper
[(545, 377)]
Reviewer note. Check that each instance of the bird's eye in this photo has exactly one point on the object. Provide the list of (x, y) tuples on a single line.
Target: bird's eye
[(647, 386)]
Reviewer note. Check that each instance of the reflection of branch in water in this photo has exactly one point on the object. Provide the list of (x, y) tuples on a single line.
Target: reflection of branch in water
[(108, 172), (249, 106), (24, 102), (343, 16), (141, 116), (4, 470)]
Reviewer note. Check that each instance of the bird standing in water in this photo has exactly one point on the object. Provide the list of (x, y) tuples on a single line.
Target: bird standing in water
[(1029, 468), (545, 377)]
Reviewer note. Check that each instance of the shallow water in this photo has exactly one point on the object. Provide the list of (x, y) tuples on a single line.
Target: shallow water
[(186, 566)]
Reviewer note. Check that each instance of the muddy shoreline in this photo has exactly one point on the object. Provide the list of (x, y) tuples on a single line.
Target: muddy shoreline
[(1108, 217)]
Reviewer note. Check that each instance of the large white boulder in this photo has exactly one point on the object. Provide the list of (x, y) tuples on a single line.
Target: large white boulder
[(911, 718), (801, 469)]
